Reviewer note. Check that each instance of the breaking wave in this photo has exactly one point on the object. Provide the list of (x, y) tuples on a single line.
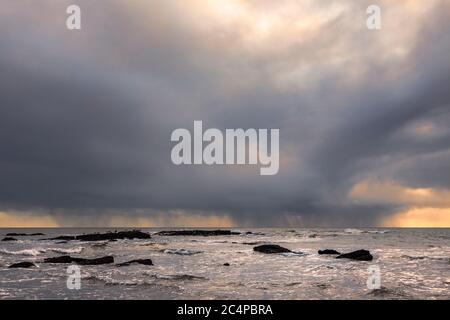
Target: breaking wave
[(37, 251), (184, 252), (26, 252)]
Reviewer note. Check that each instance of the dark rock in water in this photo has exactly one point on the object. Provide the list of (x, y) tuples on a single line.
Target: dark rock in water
[(133, 234), (63, 238), (271, 248), (363, 255), (204, 233), (9, 239), (13, 234), (328, 251), (146, 262), (25, 264), (62, 259), (81, 261), (226, 264)]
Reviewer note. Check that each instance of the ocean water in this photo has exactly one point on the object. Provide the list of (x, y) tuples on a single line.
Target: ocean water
[(413, 264)]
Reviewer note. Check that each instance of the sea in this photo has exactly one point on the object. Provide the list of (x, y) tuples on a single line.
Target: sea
[(407, 264)]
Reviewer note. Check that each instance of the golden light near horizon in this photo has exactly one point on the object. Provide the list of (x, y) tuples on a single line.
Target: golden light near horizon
[(419, 218), (425, 207), (15, 220), (116, 220)]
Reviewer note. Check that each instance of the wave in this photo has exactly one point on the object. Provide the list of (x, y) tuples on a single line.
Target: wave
[(108, 280), (178, 277), (184, 252), (377, 231), (423, 258), (67, 251), (353, 231), (25, 252), (294, 254), (37, 251), (359, 231)]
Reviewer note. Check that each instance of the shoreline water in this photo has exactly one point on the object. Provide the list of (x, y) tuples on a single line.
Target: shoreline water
[(413, 263)]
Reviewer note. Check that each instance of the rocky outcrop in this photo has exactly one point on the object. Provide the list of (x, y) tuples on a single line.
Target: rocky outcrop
[(63, 238), (9, 239), (111, 236), (134, 234), (25, 264), (146, 262), (80, 261), (271, 248), (362, 255), (328, 251), (204, 233)]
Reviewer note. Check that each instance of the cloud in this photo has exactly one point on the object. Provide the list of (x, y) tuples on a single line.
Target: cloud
[(389, 192), (420, 217), (86, 116)]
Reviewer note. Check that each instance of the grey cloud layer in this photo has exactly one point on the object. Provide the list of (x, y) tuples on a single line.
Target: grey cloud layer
[(86, 118)]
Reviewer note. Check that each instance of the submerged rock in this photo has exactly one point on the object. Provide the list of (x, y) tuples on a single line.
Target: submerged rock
[(9, 239), (204, 233), (271, 248), (362, 255), (146, 262), (328, 251), (25, 264), (111, 236), (81, 261)]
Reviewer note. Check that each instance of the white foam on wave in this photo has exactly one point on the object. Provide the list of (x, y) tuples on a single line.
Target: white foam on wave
[(294, 254), (25, 252), (353, 231), (67, 250), (358, 231), (184, 252), (37, 251)]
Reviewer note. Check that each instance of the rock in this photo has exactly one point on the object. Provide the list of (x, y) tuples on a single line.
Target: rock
[(80, 261), (134, 234), (204, 233), (363, 255), (62, 259), (226, 264), (328, 251), (13, 234), (271, 248), (146, 262), (63, 238), (9, 239), (111, 236), (25, 264)]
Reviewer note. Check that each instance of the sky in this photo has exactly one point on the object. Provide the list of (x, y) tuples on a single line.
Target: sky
[(86, 115)]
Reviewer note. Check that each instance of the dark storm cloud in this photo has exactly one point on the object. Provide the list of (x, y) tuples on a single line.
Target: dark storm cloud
[(86, 118)]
